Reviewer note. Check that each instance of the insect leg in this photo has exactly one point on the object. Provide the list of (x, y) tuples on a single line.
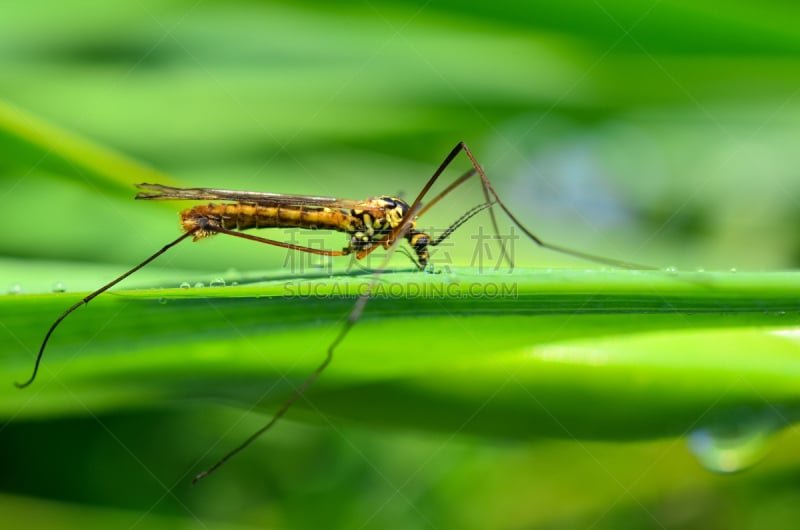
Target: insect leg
[(251, 237), (352, 318), (492, 197), (489, 190), (88, 298)]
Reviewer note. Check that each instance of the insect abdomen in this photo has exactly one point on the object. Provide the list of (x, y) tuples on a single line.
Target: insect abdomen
[(245, 216)]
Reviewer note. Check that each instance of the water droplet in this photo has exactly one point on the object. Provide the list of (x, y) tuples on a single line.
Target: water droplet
[(217, 282), (58, 287), (15, 289), (199, 285), (671, 269), (234, 283), (185, 285), (162, 301), (738, 441)]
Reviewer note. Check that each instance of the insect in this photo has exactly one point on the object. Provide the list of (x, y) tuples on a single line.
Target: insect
[(381, 222)]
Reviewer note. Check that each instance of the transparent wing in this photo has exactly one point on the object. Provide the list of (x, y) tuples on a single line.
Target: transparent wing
[(159, 192)]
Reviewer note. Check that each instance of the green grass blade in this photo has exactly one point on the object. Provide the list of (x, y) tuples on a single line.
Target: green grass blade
[(612, 355), (35, 144)]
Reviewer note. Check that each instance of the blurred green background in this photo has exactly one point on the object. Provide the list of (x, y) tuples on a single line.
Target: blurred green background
[(661, 132)]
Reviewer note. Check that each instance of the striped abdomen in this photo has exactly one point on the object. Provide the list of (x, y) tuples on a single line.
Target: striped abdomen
[(205, 218)]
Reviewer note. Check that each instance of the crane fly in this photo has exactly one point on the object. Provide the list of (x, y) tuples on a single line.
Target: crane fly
[(378, 222)]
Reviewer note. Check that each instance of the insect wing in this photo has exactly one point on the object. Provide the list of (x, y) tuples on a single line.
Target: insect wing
[(161, 192)]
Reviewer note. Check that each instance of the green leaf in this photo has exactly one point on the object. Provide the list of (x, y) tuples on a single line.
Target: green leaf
[(587, 354)]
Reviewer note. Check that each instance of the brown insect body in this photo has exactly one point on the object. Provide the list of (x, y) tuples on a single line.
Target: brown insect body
[(368, 225)]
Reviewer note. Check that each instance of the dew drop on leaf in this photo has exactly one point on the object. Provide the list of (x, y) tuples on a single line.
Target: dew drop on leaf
[(737, 441)]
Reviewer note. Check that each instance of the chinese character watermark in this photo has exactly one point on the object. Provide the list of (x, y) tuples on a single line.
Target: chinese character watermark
[(489, 252)]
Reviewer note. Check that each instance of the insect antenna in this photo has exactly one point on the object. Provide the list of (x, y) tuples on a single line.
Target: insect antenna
[(460, 221), (88, 298)]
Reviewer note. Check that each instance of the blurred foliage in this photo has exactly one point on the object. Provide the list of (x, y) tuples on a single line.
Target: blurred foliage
[(661, 132)]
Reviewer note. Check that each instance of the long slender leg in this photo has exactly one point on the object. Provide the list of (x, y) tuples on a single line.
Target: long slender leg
[(352, 318), (299, 391), (112, 283), (489, 189), (88, 298), (281, 244), (456, 183), (489, 193)]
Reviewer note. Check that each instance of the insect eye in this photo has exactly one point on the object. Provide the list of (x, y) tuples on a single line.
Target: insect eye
[(388, 202), (398, 205)]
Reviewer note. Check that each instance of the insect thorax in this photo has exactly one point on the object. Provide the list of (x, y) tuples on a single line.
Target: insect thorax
[(375, 225)]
